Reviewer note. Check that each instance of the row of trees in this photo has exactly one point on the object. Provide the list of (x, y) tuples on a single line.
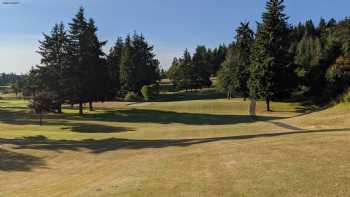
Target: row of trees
[(8, 79), (281, 60), (193, 72), (75, 70)]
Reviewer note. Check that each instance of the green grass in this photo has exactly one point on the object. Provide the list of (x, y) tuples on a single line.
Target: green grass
[(203, 147)]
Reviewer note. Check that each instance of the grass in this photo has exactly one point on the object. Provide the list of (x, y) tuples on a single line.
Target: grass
[(204, 147)]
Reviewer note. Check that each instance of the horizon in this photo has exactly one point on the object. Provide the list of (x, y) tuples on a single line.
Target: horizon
[(169, 26)]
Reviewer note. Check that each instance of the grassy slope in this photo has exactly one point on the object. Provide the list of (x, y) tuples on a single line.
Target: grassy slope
[(187, 148)]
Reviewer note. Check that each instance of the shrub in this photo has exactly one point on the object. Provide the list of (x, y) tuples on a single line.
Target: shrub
[(132, 97), (150, 92)]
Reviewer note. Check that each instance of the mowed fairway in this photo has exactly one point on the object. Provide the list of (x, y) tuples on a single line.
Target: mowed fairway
[(188, 148)]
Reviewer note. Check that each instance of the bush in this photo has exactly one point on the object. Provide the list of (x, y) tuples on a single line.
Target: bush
[(132, 97), (150, 92)]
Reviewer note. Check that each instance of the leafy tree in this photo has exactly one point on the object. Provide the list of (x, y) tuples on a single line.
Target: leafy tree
[(271, 68), (43, 102), (338, 76), (235, 69), (181, 72)]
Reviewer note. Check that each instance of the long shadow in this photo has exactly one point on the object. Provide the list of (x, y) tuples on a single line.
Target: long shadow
[(131, 116), (112, 144), (24, 118), (95, 128), (12, 161), (167, 117)]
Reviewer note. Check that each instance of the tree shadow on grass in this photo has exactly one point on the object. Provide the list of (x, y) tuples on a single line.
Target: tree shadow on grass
[(168, 117), (95, 128), (24, 118), (12, 161), (130, 116), (113, 144)]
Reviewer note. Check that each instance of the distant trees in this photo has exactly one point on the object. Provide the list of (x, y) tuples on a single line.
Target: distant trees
[(75, 70), (194, 72), (8, 79)]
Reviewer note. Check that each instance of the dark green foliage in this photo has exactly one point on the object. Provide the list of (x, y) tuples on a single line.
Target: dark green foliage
[(234, 73), (190, 72), (181, 72), (271, 71), (49, 77), (43, 102), (201, 68), (7, 79), (150, 92), (216, 58), (138, 66), (113, 60)]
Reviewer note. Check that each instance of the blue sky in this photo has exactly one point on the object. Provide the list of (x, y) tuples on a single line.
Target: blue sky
[(170, 25)]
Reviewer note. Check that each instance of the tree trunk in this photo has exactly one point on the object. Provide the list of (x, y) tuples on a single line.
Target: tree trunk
[(252, 107), (80, 108), (268, 108), (91, 106), (59, 110), (41, 119)]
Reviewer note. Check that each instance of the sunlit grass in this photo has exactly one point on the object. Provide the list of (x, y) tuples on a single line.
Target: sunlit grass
[(207, 147)]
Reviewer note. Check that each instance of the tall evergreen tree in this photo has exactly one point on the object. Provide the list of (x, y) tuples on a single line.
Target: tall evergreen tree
[(96, 67), (271, 68), (77, 72), (114, 59), (138, 66), (53, 53), (201, 67), (127, 67)]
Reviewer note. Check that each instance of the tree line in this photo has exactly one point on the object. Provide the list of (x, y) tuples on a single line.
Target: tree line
[(278, 61), (194, 71), (75, 70), (11, 78)]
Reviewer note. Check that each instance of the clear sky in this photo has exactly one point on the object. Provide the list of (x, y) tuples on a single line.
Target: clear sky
[(170, 25)]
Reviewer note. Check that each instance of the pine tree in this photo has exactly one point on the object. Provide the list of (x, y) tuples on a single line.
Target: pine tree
[(270, 73), (50, 75), (97, 73), (138, 66), (127, 67), (113, 60), (201, 68), (244, 42), (77, 72)]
